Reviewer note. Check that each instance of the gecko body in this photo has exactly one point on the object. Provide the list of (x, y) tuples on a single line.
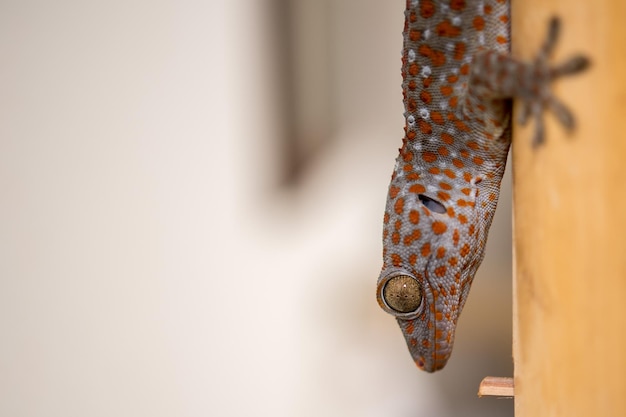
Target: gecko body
[(458, 82)]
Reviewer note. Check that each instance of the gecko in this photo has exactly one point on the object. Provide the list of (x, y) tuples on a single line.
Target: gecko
[(459, 81)]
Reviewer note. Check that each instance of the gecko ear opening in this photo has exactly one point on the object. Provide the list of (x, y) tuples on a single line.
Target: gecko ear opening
[(431, 204)]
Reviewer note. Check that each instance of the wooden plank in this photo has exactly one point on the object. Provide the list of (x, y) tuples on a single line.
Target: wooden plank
[(570, 222), (496, 386)]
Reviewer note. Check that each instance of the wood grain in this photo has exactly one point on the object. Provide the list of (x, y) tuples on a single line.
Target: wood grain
[(570, 222)]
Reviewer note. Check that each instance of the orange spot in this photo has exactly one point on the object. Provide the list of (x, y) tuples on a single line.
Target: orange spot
[(439, 227), (478, 23), (412, 85), (461, 203), (426, 343), (434, 170), (445, 186), (436, 117), (441, 252), (427, 82), (429, 157), (461, 126), (472, 145), (410, 328), (413, 16), (414, 216), (449, 173), (447, 29), (411, 105), (453, 290), (440, 271), (454, 101), (458, 163), (425, 127), (464, 153), (457, 5), (438, 334), (415, 35), (414, 69), (492, 197), (425, 250), (471, 230), (436, 57), (504, 18), (411, 135), (459, 51), (417, 188), (413, 176), (439, 315), (413, 259), (478, 160), (501, 39), (408, 156), (451, 212), (462, 219), (465, 250), (447, 138), (393, 191), (455, 237), (452, 261), (464, 69), (443, 195), (426, 97), (467, 177), (427, 8), (407, 168), (396, 260), (446, 90), (386, 218), (415, 235), (399, 206), (398, 225), (443, 151), (395, 238)]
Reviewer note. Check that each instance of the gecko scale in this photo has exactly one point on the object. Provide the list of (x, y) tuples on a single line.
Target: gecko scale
[(458, 84)]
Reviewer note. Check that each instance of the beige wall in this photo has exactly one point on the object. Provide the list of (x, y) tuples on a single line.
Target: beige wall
[(150, 263)]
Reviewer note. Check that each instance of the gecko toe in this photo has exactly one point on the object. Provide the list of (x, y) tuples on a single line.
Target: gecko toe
[(573, 65), (562, 113)]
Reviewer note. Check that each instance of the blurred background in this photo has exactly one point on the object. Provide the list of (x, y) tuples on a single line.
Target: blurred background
[(191, 215)]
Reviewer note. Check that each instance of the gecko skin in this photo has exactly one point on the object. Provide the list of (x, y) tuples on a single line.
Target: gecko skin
[(458, 82)]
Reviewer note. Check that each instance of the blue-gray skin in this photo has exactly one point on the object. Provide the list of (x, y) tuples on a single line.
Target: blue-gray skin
[(458, 82)]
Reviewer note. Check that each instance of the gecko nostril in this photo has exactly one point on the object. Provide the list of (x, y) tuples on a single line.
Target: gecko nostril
[(432, 205)]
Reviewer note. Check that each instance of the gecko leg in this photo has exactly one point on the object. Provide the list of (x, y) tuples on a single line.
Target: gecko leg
[(539, 76)]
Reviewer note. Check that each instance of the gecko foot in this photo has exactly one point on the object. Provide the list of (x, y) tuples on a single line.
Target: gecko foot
[(540, 75)]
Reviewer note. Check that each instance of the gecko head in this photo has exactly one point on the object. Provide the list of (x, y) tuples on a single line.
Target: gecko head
[(428, 267)]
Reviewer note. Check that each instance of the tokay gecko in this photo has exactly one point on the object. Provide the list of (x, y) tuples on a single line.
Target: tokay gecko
[(458, 83)]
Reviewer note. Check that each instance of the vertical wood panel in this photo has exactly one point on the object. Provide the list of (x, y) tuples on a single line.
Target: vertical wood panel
[(570, 222)]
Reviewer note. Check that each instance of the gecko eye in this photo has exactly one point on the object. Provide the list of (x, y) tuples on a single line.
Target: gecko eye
[(432, 205), (403, 294)]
